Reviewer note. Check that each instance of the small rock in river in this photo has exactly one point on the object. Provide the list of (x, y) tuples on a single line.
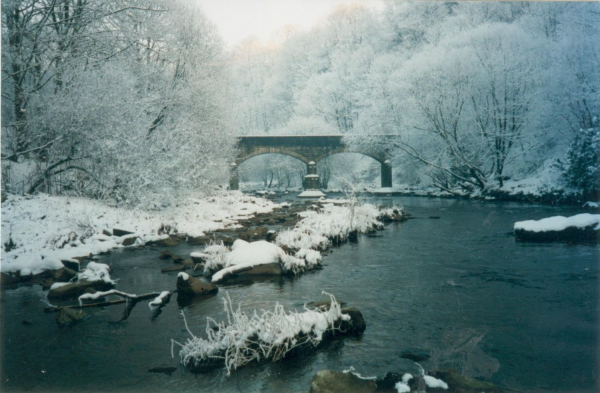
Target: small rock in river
[(415, 357), (68, 316), (164, 370), (189, 286), (176, 268), (327, 381)]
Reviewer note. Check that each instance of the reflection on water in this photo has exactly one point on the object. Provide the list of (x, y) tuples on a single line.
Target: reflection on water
[(458, 289)]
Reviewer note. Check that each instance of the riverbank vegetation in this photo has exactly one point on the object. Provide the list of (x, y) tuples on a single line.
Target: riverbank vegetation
[(114, 100)]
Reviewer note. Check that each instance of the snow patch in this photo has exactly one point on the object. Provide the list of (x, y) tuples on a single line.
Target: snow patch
[(158, 301), (434, 382), (402, 387)]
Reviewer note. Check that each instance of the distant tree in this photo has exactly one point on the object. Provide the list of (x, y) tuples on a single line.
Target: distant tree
[(581, 164)]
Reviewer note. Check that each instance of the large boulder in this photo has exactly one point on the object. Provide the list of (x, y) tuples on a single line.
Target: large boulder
[(8, 280), (575, 229), (356, 324), (188, 286), (72, 264), (64, 274), (269, 269), (327, 381), (176, 268), (129, 241), (75, 289)]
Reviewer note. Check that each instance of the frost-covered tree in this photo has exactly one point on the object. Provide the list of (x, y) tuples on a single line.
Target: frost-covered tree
[(134, 109)]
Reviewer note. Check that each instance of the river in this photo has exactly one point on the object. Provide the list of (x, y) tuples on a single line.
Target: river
[(451, 283)]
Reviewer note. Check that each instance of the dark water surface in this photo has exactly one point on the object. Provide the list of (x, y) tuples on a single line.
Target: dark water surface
[(523, 316)]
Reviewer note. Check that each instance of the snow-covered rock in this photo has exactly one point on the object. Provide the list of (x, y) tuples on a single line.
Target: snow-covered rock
[(581, 227), (188, 286), (259, 257)]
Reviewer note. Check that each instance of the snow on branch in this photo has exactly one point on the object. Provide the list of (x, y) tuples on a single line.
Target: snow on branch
[(264, 335)]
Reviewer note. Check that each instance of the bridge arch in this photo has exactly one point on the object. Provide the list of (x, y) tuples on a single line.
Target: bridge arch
[(262, 151), (386, 165)]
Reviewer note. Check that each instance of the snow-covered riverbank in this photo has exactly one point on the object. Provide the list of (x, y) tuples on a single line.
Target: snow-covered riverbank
[(40, 231)]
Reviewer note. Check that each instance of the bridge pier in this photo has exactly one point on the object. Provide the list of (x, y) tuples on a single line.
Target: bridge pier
[(234, 180), (386, 174), (311, 180), (312, 185)]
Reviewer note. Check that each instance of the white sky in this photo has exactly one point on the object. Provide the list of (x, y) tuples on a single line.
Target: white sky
[(238, 19)]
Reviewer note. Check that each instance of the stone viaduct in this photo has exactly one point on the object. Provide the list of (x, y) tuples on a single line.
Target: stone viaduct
[(306, 148)]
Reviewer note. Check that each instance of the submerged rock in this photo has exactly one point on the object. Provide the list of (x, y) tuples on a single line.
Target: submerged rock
[(458, 383), (165, 255), (164, 370), (328, 381), (176, 268), (415, 356), (69, 316), (188, 286)]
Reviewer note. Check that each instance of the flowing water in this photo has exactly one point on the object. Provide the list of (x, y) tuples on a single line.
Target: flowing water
[(457, 287)]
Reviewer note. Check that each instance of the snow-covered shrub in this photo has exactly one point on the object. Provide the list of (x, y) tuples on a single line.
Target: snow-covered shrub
[(217, 254), (96, 272), (264, 335), (319, 227), (581, 165)]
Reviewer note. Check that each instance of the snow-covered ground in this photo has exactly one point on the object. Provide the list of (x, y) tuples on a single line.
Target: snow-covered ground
[(545, 180), (40, 231), (559, 223)]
